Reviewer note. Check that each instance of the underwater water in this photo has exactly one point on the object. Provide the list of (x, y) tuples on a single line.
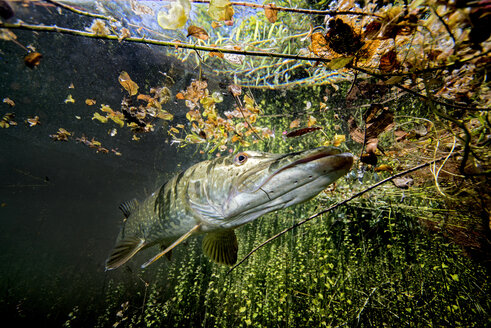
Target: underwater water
[(381, 260)]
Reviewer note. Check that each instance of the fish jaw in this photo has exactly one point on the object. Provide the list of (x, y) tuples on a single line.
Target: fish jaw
[(301, 177)]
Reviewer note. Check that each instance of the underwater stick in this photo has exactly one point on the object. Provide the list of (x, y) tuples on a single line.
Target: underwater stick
[(279, 234)]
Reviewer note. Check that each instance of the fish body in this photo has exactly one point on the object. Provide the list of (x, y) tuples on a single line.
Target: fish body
[(216, 196)]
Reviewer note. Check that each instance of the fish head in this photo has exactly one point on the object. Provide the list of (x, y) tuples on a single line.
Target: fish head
[(250, 184)]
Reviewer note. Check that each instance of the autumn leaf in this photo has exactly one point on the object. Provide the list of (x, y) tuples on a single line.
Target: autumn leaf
[(338, 140), (90, 102), (100, 118), (197, 32), (340, 62), (215, 24), (383, 168), (388, 62), (69, 99), (318, 45), (221, 10), (164, 115), (295, 124), (126, 82), (235, 89), (9, 101), (271, 13), (312, 121), (342, 39), (33, 59), (301, 132), (216, 54), (33, 121)]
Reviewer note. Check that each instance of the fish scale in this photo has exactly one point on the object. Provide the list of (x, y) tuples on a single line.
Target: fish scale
[(217, 196)]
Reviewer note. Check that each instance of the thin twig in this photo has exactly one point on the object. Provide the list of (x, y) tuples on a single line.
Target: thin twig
[(336, 206), (80, 12), (294, 10)]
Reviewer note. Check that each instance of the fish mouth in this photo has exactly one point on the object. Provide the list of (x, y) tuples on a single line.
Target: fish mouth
[(330, 159)]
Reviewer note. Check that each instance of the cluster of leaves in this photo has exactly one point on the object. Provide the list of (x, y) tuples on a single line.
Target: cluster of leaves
[(138, 118), (207, 126), (64, 135)]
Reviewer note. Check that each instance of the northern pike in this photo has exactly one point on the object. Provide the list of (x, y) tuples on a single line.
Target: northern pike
[(215, 197)]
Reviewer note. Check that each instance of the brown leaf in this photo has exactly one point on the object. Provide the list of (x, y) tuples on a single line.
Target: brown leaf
[(318, 44), (33, 59), (342, 38), (301, 132), (235, 89), (130, 86), (271, 13), (388, 62), (216, 54), (197, 32)]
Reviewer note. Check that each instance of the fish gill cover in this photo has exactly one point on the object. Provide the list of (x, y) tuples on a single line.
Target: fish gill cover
[(104, 101)]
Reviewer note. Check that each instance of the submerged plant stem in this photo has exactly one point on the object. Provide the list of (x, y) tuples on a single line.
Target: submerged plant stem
[(339, 204)]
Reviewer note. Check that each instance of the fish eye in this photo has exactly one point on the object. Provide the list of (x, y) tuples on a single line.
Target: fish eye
[(240, 158)]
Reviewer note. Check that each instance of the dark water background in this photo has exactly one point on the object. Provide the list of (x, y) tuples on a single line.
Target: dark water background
[(59, 216)]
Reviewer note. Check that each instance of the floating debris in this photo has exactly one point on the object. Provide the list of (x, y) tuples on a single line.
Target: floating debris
[(61, 135), (33, 59), (33, 121), (7, 121), (9, 101), (69, 99)]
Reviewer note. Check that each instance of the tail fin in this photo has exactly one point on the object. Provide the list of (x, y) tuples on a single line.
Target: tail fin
[(124, 250)]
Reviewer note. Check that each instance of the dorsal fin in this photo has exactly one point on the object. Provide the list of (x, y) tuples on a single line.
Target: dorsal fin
[(128, 207), (221, 246), (123, 251)]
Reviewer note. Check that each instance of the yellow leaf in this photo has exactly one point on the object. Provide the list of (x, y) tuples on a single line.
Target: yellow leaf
[(193, 138), (100, 118), (90, 102), (164, 115), (338, 140), (294, 124), (312, 121), (9, 101), (135, 138), (69, 99), (106, 109), (177, 15), (221, 10), (197, 32), (117, 120), (173, 130), (128, 84)]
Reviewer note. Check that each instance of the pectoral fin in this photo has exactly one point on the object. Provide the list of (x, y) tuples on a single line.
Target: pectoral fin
[(123, 251), (174, 244), (221, 247)]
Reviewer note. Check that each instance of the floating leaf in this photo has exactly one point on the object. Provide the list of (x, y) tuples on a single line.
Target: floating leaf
[(7, 120), (99, 27), (340, 62), (116, 120), (177, 15), (61, 135), (33, 59), (295, 123), (383, 168), (33, 121), (318, 45), (312, 120), (216, 54), (130, 86), (90, 102), (388, 62), (100, 118), (235, 89), (338, 140), (69, 99), (221, 10), (197, 32), (342, 39), (301, 132), (403, 183), (9, 101), (125, 33), (215, 24), (106, 109), (135, 137), (271, 13), (165, 115)]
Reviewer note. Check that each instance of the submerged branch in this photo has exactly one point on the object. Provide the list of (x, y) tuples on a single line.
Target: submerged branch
[(338, 205), (293, 10), (175, 44)]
